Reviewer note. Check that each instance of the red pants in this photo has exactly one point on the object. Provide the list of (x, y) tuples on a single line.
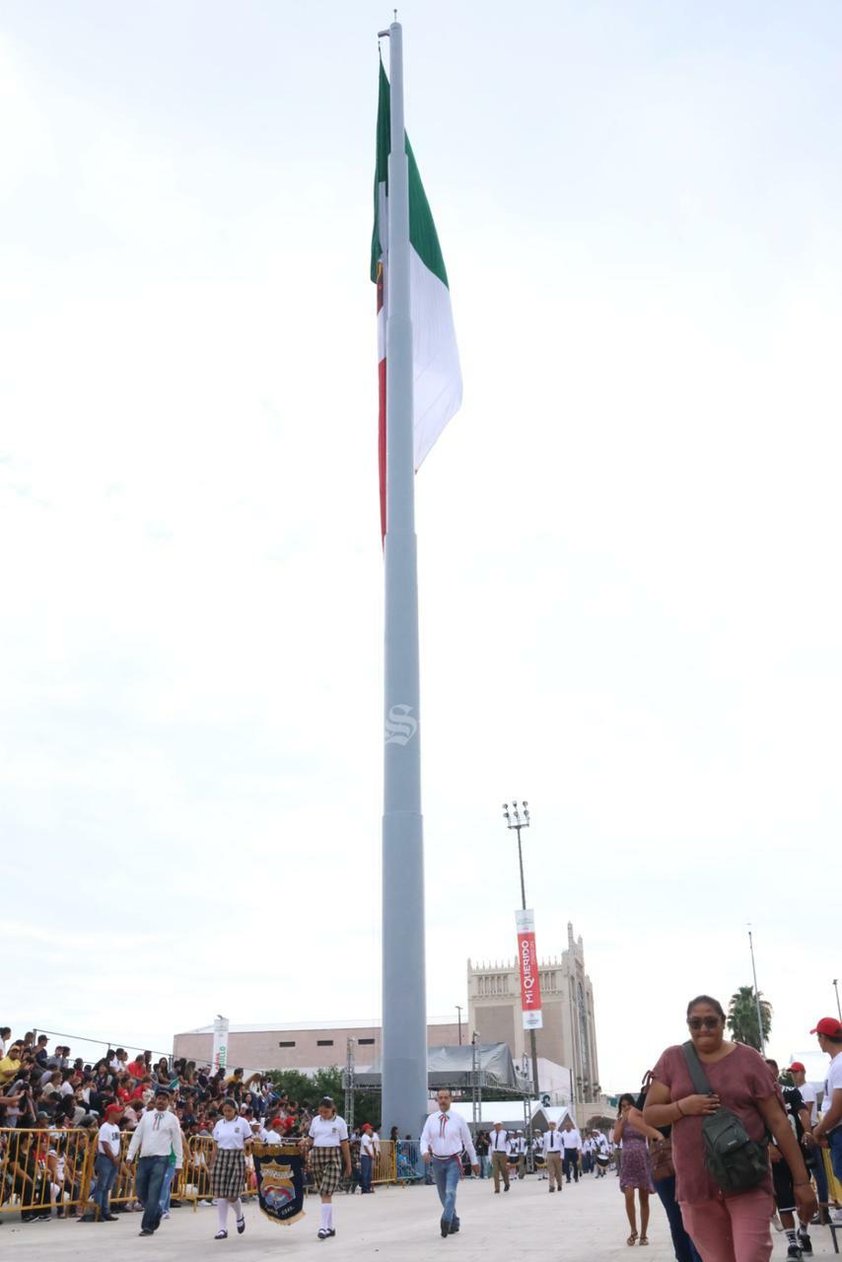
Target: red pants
[(734, 1229)]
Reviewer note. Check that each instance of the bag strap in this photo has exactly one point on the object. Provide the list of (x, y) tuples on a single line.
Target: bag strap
[(700, 1082)]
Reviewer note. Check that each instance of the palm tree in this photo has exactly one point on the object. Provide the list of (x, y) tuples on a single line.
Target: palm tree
[(742, 1017)]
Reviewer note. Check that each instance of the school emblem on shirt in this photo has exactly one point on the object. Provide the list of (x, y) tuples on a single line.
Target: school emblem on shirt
[(280, 1182)]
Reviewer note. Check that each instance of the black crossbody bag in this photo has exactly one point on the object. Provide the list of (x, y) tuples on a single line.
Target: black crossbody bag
[(734, 1162)]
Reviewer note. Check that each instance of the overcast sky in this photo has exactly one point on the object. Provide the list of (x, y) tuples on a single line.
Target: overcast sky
[(629, 536)]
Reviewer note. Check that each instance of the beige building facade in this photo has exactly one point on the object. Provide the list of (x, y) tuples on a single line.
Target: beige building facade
[(319, 1045), (568, 1036)]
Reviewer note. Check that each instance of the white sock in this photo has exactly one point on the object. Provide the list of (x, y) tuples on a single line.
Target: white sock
[(238, 1208), (222, 1213), (330, 1215), (324, 1221)]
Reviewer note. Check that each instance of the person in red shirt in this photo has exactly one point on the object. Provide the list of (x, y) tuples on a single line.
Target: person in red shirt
[(731, 1226)]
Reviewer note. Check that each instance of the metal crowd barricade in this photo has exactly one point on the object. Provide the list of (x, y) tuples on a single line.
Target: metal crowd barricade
[(407, 1162), (43, 1172), (385, 1163)]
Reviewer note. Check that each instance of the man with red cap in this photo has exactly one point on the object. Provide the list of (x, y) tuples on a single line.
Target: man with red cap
[(829, 1125), (107, 1163)]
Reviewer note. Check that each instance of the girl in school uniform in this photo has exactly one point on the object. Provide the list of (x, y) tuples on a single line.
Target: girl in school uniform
[(330, 1155), (227, 1165)]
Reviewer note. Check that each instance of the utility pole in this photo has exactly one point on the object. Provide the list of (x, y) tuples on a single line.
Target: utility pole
[(518, 818)]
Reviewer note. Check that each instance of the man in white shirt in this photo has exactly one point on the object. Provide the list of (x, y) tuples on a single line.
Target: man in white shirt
[(498, 1150), (107, 1162), (443, 1138), (552, 1156), (572, 1142), (157, 1134), (829, 1125), (367, 1155)]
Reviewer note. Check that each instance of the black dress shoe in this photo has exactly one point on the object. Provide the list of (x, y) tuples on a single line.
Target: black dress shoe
[(454, 1226), (445, 1229)]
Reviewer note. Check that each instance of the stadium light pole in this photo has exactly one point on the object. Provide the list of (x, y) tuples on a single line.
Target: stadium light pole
[(518, 818)]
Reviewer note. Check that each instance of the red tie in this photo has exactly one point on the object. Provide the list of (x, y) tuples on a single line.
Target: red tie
[(442, 1124)]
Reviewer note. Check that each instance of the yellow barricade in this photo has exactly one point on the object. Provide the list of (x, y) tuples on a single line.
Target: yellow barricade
[(385, 1168), (834, 1186), (45, 1172)]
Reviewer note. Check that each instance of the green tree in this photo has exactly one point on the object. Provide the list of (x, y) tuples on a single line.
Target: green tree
[(308, 1089), (742, 1017)]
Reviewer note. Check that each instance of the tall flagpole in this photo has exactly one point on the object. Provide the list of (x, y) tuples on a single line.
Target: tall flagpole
[(404, 1049)]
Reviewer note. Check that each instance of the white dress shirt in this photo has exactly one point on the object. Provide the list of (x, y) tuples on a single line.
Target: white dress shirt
[(446, 1134), (497, 1140), (552, 1142), (156, 1135), (571, 1139)]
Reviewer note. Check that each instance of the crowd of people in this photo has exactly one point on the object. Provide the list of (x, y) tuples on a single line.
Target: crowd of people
[(723, 1136)]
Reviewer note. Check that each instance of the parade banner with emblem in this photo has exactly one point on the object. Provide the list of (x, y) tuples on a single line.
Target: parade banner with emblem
[(279, 1169), (530, 982)]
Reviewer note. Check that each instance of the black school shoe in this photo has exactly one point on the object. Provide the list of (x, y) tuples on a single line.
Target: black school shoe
[(445, 1229), (454, 1226)]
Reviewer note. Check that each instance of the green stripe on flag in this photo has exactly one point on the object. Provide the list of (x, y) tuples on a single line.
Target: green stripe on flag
[(422, 231)]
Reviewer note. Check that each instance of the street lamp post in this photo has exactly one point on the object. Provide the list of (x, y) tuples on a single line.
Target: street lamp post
[(459, 1019), (757, 997), (836, 988), (517, 818)]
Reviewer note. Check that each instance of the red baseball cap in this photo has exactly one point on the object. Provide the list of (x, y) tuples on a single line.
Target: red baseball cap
[(114, 1108), (797, 1068), (830, 1027)]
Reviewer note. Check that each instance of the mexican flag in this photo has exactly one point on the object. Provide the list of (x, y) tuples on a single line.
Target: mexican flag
[(437, 379)]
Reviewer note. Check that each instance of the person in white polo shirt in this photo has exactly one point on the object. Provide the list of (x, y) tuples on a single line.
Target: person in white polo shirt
[(498, 1151), (553, 1148), (444, 1137), (330, 1155)]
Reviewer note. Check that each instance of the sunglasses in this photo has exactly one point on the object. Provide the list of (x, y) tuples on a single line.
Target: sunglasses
[(703, 1023)]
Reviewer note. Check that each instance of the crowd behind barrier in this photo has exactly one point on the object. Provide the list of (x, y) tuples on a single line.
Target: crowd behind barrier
[(52, 1107)]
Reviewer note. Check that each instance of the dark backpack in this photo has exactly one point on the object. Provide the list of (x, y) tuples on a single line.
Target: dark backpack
[(734, 1162)]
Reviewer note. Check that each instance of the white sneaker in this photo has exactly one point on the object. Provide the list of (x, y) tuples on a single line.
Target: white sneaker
[(166, 1214)]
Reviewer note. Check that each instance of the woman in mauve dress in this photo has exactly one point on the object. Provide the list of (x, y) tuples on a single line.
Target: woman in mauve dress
[(635, 1168)]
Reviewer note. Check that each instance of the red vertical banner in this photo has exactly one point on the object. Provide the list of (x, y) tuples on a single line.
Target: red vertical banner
[(530, 982)]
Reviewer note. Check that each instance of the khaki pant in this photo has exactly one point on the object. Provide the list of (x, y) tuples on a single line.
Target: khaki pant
[(499, 1165), (553, 1160)]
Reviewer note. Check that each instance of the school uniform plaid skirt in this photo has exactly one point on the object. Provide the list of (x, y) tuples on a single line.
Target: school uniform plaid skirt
[(325, 1166), (228, 1177)]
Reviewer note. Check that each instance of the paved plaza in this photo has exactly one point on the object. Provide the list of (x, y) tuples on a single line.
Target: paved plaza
[(585, 1221)]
